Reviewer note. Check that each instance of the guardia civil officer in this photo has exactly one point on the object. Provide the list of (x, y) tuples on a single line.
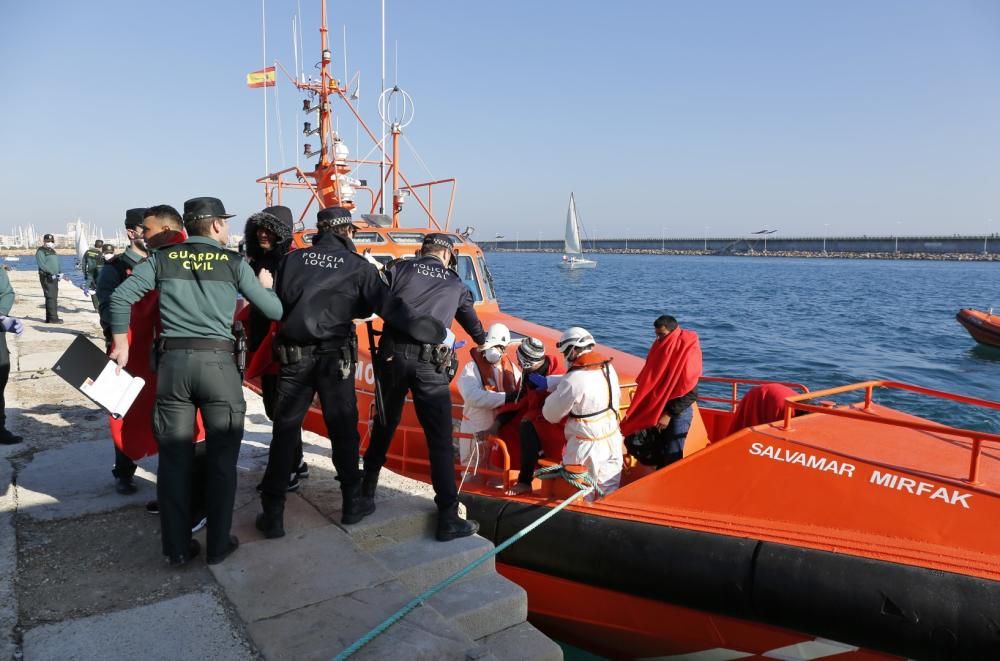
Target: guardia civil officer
[(427, 286), (198, 281), (49, 276), (322, 290)]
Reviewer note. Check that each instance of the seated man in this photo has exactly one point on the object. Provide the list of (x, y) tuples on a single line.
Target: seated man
[(486, 383), (525, 421), (588, 397), (667, 387)]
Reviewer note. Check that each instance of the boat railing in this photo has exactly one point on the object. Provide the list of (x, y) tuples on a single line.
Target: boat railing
[(734, 388), (798, 403)]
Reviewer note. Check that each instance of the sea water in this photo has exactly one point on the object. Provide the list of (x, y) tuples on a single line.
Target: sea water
[(819, 322)]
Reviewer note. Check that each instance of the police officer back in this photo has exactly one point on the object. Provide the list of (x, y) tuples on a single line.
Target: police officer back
[(323, 289), (198, 281), (408, 362)]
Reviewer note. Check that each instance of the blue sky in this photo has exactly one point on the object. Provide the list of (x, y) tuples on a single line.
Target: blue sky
[(844, 117)]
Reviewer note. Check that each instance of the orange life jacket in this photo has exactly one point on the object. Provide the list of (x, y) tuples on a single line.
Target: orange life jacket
[(485, 367)]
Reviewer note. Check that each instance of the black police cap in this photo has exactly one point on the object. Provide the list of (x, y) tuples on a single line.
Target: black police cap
[(47, 238), (440, 240), (199, 208), (335, 216), (133, 217)]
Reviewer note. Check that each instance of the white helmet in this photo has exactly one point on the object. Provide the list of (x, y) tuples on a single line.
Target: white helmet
[(497, 336), (575, 337)]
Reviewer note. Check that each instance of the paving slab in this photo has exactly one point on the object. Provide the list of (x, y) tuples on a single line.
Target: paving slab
[(299, 516), (193, 626), (420, 563), (522, 642), (267, 578), (395, 520), (8, 562), (482, 605), (76, 479), (321, 631)]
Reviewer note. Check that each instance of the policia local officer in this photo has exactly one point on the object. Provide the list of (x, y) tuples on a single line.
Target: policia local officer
[(427, 286), (198, 281), (322, 289), (49, 275)]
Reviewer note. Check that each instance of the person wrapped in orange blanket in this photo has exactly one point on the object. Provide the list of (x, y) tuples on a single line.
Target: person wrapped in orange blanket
[(133, 433), (760, 405), (667, 387)]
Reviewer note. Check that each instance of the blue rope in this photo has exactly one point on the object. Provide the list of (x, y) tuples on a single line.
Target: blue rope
[(585, 485)]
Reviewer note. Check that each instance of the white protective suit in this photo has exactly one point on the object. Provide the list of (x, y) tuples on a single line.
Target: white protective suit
[(479, 412), (594, 441)]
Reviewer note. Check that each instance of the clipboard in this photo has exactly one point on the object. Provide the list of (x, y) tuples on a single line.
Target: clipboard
[(85, 367)]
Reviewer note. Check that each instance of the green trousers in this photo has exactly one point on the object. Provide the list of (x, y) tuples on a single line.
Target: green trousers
[(206, 381)]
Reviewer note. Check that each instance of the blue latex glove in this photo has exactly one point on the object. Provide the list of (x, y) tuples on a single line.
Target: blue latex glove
[(458, 345), (538, 381), (11, 325)]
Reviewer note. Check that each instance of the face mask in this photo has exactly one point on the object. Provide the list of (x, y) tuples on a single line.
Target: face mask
[(492, 355), (107, 257), (49, 244)]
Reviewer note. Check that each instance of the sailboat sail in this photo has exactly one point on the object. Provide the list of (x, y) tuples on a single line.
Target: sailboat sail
[(573, 246)]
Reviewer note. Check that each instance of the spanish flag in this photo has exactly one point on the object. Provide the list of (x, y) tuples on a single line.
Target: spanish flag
[(261, 78)]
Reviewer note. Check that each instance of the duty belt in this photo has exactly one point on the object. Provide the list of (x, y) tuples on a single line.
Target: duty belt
[(439, 355), (196, 344)]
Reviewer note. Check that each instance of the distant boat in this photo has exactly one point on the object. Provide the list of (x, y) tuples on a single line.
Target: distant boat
[(81, 241), (573, 259), (984, 327)]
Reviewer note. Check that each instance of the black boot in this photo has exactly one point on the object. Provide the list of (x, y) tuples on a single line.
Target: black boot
[(271, 521), (368, 485), (356, 507), (452, 526)]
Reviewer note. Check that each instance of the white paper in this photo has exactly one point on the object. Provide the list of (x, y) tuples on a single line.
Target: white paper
[(115, 392)]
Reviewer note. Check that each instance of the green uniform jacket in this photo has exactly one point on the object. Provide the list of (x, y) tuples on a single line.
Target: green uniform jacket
[(108, 279), (6, 293), (91, 260), (48, 260), (198, 281)]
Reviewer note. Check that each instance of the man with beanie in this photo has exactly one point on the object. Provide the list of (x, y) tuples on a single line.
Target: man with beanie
[(267, 236), (323, 289), (49, 276)]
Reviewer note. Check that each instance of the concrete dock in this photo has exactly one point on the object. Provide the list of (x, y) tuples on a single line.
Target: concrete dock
[(81, 575)]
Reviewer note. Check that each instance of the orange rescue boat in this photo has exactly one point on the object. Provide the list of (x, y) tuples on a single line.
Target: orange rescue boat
[(984, 327), (851, 530)]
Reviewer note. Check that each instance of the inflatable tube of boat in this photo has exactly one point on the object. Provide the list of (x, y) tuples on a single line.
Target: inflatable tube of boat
[(910, 611)]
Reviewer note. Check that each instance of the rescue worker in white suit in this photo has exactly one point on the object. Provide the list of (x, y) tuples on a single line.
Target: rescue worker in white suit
[(486, 383), (587, 397)]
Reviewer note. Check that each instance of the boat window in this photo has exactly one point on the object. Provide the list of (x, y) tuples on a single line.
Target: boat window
[(467, 272), (368, 237), (407, 238), (383, 259), (309, 237), (490, 290)]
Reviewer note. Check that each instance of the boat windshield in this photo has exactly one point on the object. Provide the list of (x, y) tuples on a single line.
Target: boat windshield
[(485, 270), (467, 272)]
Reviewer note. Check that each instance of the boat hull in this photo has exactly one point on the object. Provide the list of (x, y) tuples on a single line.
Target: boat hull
[(982, 326), (899, 609), (578, 264)]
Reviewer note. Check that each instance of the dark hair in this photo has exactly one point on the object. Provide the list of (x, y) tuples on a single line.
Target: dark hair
[(165, 212), (324, 225), (345, 230), (665, 321), (98, 243), (200, 227)]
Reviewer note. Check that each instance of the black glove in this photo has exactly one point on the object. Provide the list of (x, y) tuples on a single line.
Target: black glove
[(505, 417), (510, 397)]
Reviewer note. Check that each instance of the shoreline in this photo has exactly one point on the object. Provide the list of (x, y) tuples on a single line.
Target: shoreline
[(916, 256)]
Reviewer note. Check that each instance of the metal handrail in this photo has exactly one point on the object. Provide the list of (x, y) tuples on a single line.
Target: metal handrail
[(736, 383), (796, 403)]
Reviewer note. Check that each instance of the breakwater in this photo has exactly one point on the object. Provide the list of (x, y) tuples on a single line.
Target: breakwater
[(957, 248)]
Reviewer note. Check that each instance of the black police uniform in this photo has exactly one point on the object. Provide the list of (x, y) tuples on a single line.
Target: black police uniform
[(426, 287), (322, 290), (48, 277)]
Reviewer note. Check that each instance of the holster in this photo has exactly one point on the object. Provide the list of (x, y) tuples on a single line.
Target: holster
[(442, 356), (348, 357), (240, 347), (286, 354)]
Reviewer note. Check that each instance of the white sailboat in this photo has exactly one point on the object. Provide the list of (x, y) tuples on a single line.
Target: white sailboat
[(573, 257)]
